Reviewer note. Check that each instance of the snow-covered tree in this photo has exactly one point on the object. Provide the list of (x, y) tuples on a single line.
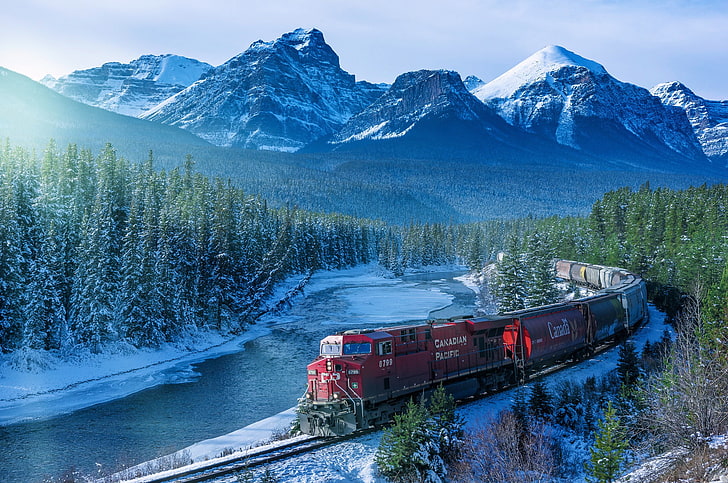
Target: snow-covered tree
[(422, 441), (402, 453), (510, 287), (447, 425), (607, 455), (628, 364)]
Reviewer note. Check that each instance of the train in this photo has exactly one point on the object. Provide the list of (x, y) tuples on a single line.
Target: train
[(362, 377)]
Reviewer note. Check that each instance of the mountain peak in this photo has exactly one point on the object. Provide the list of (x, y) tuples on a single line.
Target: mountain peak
[(309, 43), (301, 38), (555, 55), (425, 97), (536, 67), (564, 97), (666, 88), (277, 95), (130, 88), (709, 119)]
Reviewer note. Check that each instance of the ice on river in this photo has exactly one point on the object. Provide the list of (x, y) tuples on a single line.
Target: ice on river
[(65, 386)]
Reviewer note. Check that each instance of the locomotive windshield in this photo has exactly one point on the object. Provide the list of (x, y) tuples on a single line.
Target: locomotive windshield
[(357, 348), (330, 349)]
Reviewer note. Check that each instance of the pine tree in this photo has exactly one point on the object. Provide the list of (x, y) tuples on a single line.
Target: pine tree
[(12, 280), (397, 455), (540, 404), (539, 272), (628, 364), (608, 453), (520, 408), (510, 281), (447, 425)]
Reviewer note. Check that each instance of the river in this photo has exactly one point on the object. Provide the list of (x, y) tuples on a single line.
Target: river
[(228, 392)]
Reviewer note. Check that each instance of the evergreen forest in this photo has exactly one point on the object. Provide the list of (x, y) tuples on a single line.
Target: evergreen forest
[(98, 250)]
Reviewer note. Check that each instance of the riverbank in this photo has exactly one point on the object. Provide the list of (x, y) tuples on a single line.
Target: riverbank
[(59, 386)]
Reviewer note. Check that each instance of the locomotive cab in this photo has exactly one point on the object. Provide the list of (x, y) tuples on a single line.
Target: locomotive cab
[(334, 389), (336, 372)]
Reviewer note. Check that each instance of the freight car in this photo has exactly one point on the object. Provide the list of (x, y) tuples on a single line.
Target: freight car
[(362, 377)]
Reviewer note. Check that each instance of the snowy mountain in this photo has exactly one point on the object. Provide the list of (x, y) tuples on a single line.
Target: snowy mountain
[(31, 114), (278, 95), (429, 114), (413, 98), (426, 109), (562, 96), (473, 82), (131, 88), (708, 118)]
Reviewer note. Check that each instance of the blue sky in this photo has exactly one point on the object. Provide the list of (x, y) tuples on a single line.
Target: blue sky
[(639, 41)]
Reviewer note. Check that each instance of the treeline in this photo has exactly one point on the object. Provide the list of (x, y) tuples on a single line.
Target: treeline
[(95, 249), (675, 395), (676, 239), (673, 238), (426, 244)]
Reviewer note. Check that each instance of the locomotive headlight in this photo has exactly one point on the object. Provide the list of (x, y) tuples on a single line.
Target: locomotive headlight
[(336, 395), (328, 365), (309, 395)]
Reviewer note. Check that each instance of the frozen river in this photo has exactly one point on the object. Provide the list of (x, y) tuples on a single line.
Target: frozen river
[(220, 395)]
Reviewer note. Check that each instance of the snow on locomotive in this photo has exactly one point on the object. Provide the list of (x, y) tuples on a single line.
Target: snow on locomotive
[(362, 377)]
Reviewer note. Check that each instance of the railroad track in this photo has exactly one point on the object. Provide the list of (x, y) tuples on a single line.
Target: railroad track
[(213, 469)]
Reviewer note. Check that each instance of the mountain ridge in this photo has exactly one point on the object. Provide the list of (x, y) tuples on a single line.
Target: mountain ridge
[(574, 101), (278, 95), (130, 88), (290, 94), (709, 119), (393, 183)]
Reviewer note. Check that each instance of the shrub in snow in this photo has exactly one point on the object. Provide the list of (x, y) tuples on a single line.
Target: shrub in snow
[(688, 401), (30, 360), (422, 441), (504, 450)]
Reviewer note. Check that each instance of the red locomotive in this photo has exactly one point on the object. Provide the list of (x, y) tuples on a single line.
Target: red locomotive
[(362, 377)]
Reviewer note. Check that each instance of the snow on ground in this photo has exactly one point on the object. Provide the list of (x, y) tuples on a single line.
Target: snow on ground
[(353, 460), (90, 379)]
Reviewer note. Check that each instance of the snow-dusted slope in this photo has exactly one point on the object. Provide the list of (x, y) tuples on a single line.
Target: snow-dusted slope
[(130, 88), (473, 82), (434, 104), (414, 96), (277, 95), (562, 96), (708, 118), (538, 66)]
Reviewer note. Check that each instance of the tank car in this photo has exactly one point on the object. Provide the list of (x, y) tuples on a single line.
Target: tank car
[(541, 336)]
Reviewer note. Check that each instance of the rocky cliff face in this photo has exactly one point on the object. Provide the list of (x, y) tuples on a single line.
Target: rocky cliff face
[(562, 96), (278, 95), (709, 119), (415, 97), (131, 88)]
